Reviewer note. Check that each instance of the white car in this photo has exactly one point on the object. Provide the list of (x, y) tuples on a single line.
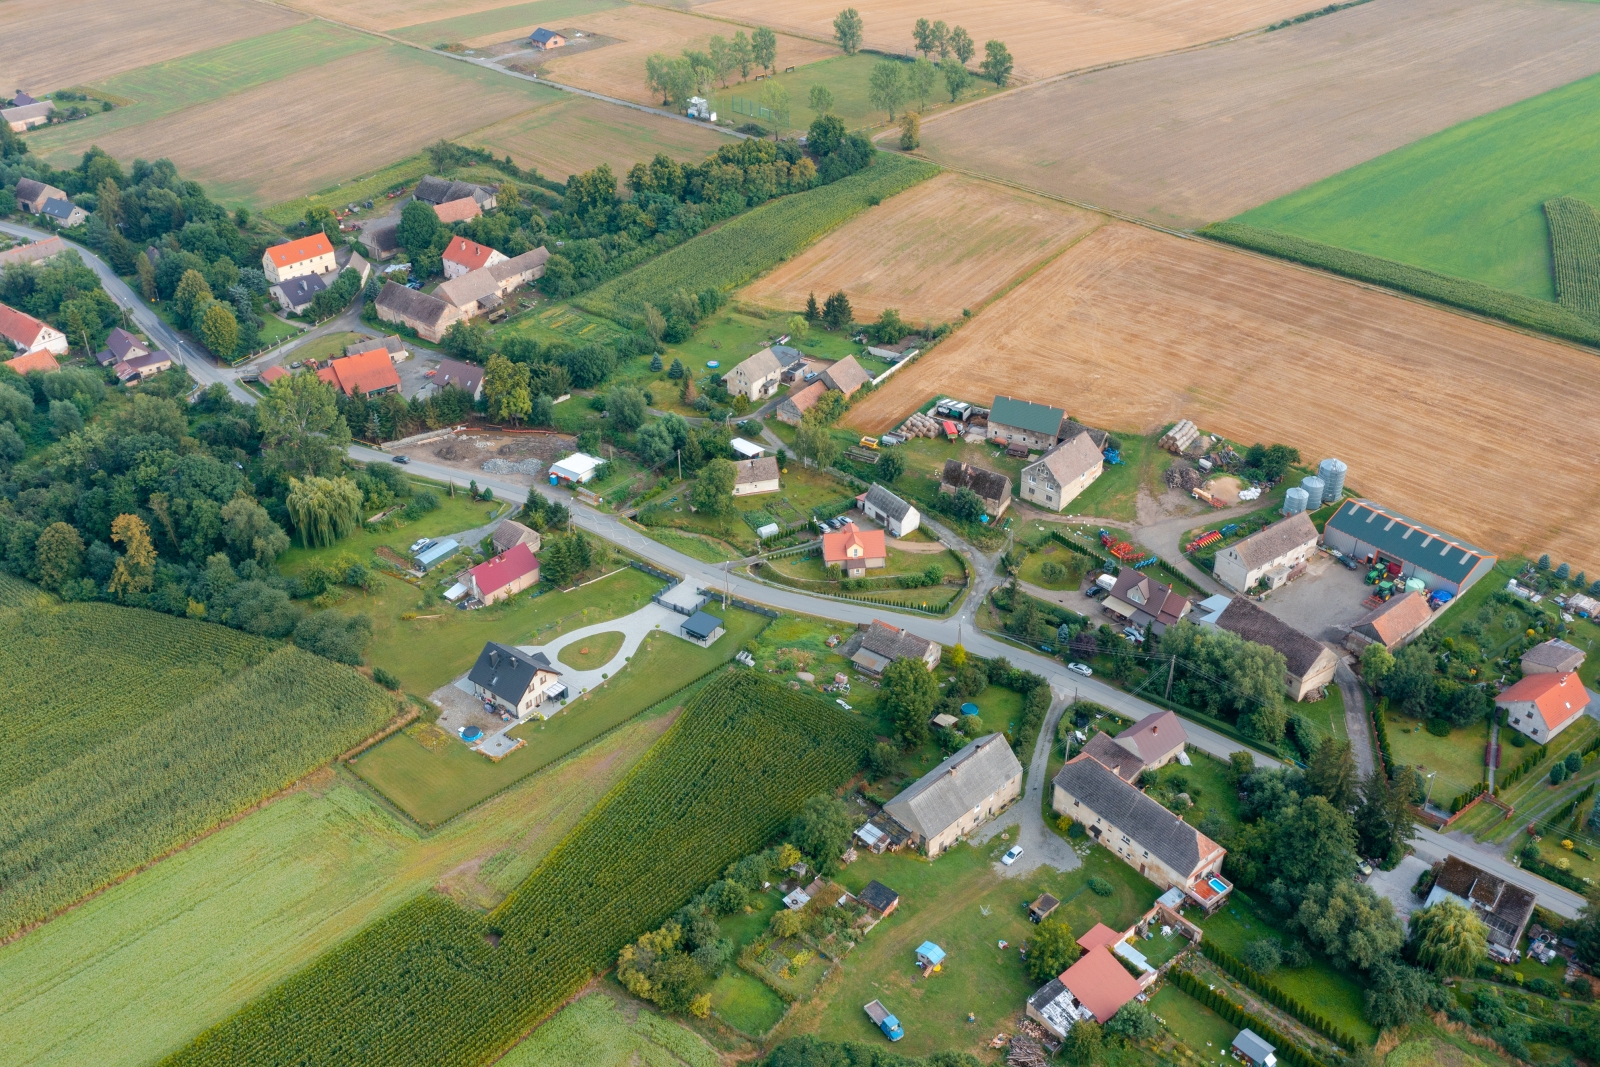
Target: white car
[(1081, 668), (843, 705), (1011, 857)]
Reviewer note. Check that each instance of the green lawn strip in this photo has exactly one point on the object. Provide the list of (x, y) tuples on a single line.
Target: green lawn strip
[(1197, 1027), (1113, 494), (607, 1029), (1457, 759), (1075, 565), (356, 190), (466, 27), (1319, 985), (959, 903), (274, 331), (1326, 714), (144, 966), (159, 90), (328, 346), (696, 546), (749, 244), (744, 1002), (434, 785), (1208, 785), (1466, 201), (592, 652), (1536, 800)]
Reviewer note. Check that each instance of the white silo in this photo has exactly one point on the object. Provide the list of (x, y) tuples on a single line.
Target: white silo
[(1332, 472)]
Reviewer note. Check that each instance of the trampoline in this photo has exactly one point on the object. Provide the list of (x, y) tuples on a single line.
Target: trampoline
[(470, 734)]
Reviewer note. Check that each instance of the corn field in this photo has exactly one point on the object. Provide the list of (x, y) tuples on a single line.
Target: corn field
[(435, 984), (737, 251), (1575, 249), (165, 728)]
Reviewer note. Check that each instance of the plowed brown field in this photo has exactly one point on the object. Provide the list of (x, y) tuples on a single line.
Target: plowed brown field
[(1202, 136), (618, 69), (52, 44), (578, 133), (1481, 431), (945, 245), (1045, 36)]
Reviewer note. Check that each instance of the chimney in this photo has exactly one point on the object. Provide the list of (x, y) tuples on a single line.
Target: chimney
[(494, 657)]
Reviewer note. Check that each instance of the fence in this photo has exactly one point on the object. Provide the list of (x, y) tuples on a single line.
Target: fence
[(741, 105)]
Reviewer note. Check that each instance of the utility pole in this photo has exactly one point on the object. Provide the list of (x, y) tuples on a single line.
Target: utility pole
[(679, 451), (1172, 666)]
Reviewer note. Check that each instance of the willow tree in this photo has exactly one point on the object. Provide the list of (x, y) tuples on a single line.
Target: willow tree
[(1449, 937), (323, 509)]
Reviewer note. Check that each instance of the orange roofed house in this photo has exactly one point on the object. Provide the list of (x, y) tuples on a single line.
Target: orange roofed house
[(1094, 988), (464, 256), (369, 373), (1542, 705), (855, 550), (309, 255), (27, 333)]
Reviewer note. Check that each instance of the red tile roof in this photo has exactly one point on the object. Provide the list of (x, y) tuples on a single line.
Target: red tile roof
[(38, 359), (272, 374), (1100, 983), (502, 570), (368, 372), (19, 327), (299, 251), (457, 210), (1559, 697), (1099, 936), (469, 254), (836, 546)]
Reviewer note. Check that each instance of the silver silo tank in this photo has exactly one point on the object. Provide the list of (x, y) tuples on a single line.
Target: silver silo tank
[(1294, 501), (1332, 472), (1314, 488)]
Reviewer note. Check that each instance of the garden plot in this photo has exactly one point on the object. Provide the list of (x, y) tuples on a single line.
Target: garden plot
[(1192, 138), (1141, 328)]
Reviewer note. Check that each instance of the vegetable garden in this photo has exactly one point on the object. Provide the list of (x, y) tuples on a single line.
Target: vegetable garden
[(436, 984), (168, 728)]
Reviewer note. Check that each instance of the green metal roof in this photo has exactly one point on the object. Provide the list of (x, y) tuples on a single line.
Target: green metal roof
[(1026, 415), (1407, 540)]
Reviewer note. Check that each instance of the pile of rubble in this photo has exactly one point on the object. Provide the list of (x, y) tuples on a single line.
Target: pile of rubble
[(1025, 1052), (506, 466), (920, 425), (1184, 477)]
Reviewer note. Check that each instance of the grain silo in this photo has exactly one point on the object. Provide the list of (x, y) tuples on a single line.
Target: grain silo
[(1314, 489), (1294, 501), (1332, 472)]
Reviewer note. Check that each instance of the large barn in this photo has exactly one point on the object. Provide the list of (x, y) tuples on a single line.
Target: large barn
[(1372, 533)]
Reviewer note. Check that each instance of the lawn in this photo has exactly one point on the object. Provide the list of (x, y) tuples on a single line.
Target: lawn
[(143, 967), (1202, 1030), (1335, 994), (1113, 494), (496, 20), (803, 493), (328, 346), (1467, 201), (1208, 785), (592, 652), (843, 76), (1326, 714), (1457, 759), (959, 903), (1074, 566), (1533, 797), (433, 785), (745, 1003), (275, 331), (611, 1031), (454, 514)]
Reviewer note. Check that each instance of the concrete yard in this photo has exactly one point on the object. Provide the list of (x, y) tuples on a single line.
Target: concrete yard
[(1321, 600)]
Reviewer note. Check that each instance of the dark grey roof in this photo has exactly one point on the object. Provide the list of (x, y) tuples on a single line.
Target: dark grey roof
[(877, 896), (1300, 651), (29, 189), (1047, 993), (893, 643), (886, 502), (300, 291), (1251, 1044), (120, 343), (986, 483), (787, 355), (1173, 841), (465, 376), (1409, 541), (382, 237), (431, 190), (507, 672), (541, 35), (701, 624), (1122, 762), (1554, 653), (58, 209), (1504, 908), (411, 303), (962, 782)]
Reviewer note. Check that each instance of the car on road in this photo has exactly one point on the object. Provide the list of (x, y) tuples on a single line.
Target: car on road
[(843, 705), (1081, 668), (401, 459), (1364, 868), (1012, 856)]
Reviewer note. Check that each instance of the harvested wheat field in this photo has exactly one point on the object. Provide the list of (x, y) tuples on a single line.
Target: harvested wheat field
[(578, 133), (390, 14), (618, 68), (53, 44), (1479, 430), (941, 246), (368, 100), (1045, 36), (1201, 136)]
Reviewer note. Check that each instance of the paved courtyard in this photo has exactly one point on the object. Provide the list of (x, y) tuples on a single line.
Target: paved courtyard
[(1321, 600)]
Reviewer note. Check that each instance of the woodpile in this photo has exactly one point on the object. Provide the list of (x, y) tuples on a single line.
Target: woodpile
[(1178, 439), (1025, 1052), (920, 425)]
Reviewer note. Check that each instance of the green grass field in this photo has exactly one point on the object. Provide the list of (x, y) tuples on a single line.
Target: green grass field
[(1466, 201), (959, 903), (1201, 1030), (1457, 759), (466, 27), (434, 785), (1327, 714), (1336, 995), (598, 1031), (163, 88), (143, 967), (592, 652), (743, 1002), (1206, 782)]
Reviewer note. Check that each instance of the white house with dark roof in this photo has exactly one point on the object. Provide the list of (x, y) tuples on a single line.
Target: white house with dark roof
[(63, 211), (1142, 833), (755, 476), (1055, 478), (1308, 663), (121, 346), (757, 377), (960, 794), (897, 516), (1268, 554), (520, 683)]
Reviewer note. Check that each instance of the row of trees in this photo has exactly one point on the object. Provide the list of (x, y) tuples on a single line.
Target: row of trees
[(676, 79)]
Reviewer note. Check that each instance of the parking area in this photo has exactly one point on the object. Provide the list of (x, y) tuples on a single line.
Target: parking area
[(1322, 600)]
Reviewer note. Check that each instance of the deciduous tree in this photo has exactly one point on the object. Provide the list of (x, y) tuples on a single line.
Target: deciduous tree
[(713, 490), (886, 86), (219, 330), (1051, 950), (58, 554), (910, 693), (822, 830), (997, 63), (1448, 937), (506, 388), (764, 48), (921, 81), (820, 100), (957, 77), (847, 30), (135, 569), (302, 432)]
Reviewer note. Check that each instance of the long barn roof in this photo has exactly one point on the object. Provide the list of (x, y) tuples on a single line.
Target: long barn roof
[(1408, 540)]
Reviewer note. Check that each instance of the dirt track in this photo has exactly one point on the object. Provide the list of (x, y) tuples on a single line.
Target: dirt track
[(47, 45), (1201, 136), (1044, 36), (947, 244), (1481, 431)]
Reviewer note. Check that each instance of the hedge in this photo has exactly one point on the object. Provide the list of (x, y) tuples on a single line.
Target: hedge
[(1259, 983), (1519, 310), (1524, 767), (1289, 1053)]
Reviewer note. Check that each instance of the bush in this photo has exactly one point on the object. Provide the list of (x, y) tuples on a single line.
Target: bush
[(385, 679), (1100, 887)]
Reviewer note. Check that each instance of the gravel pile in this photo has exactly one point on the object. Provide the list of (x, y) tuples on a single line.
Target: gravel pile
[(506, 466)]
